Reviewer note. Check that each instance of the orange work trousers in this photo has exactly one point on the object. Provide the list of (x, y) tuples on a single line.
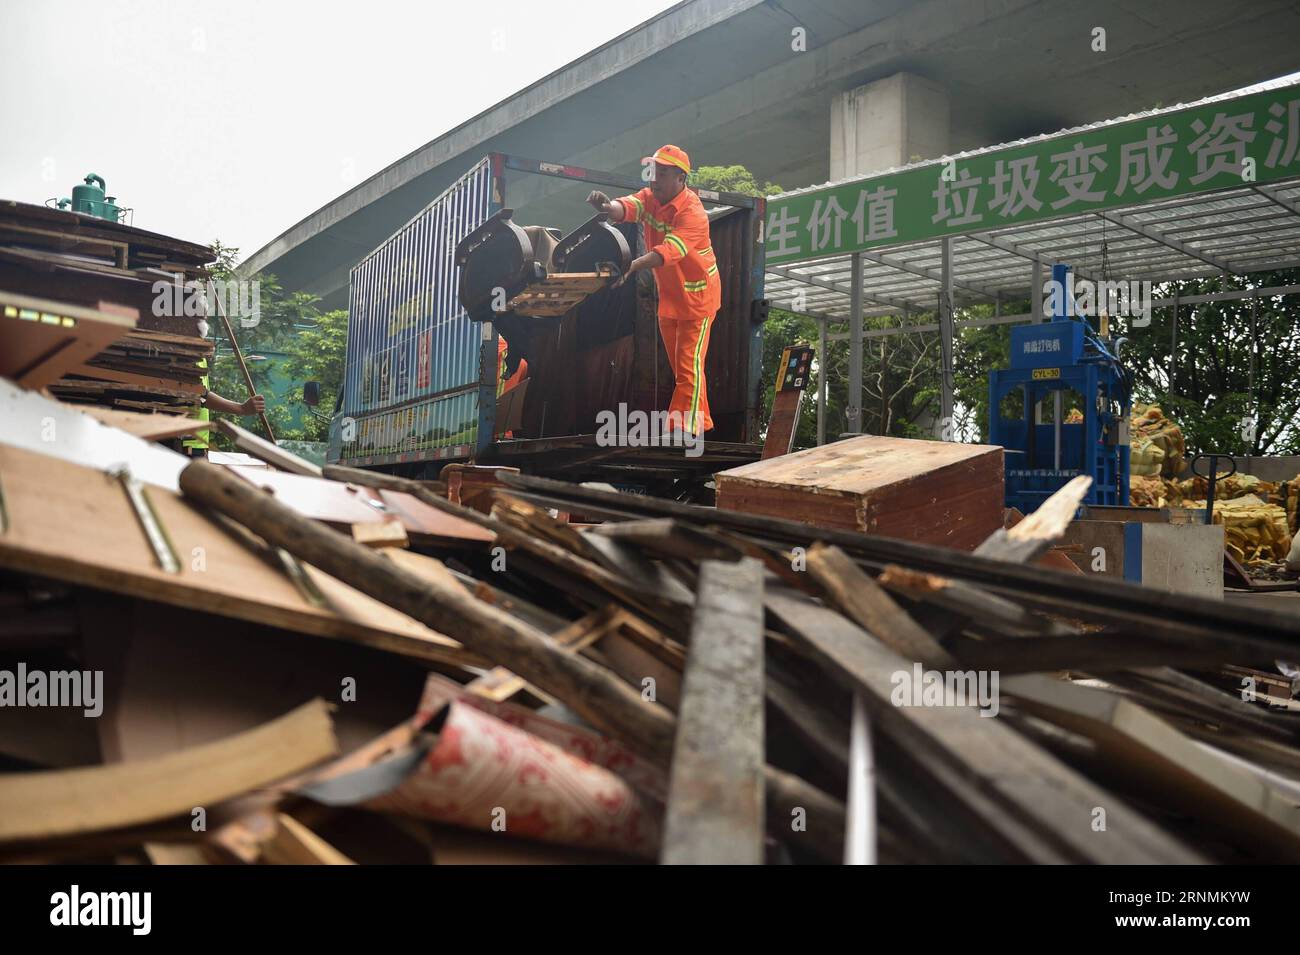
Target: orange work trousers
[(687, 343)]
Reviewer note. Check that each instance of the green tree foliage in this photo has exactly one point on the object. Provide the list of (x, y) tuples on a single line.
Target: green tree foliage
[(1222, 369), (736, 179)]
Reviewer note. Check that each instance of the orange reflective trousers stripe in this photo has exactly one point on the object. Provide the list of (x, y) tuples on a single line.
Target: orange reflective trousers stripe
[(687, 343)]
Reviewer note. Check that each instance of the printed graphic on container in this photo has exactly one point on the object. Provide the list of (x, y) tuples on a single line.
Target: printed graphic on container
[(447, 423)]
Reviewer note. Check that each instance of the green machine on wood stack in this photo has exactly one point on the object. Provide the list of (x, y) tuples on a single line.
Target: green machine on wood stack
[(89, 199)]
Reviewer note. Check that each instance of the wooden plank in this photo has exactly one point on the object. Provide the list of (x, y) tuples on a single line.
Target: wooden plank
[(150, 427), (268, 451), (1033, 536), (1039, 806), (70, 801), (865, 602), (937, 492), (295, 844), (44, 339), (381, 534), (72, 523), (715, 801)]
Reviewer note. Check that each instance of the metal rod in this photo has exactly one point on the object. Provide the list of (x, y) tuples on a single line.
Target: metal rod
[(1173, 348), (860, 832), (946, 386), (1057, 405), (823, 367), (1036, 291), (855, 348)]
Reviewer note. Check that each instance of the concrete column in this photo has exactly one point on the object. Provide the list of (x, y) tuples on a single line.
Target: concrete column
[(887, 123)]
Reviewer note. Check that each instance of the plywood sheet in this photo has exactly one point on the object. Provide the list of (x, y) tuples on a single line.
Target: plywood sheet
[(74, 523), (150, 427), (336, 502), (44, 339)]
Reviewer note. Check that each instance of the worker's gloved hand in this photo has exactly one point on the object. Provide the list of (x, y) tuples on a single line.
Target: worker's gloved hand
[(598, 201), (254, 405)]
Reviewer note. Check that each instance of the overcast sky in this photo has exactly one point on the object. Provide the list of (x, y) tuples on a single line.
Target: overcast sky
[(233, 120)]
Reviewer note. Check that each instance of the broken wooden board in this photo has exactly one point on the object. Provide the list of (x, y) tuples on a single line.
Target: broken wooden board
[(74, 523), (350, 504), (98, 798), (44, 339), (272, 454), (150, 427), (934, 492), (715, 809), (381, 534)]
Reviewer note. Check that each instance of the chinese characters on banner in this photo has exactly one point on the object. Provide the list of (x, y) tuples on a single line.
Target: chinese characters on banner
[(1252, 138)]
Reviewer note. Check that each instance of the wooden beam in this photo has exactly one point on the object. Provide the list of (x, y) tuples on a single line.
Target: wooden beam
[(715, 811), (863, 600), (267, 451)]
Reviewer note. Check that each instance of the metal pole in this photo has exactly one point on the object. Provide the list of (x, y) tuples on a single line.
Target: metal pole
[(1036, 291), (1173, 349), (1250, 387), (822, 369), (945, 340), (855, 348), (1057, 409), (860, 829)]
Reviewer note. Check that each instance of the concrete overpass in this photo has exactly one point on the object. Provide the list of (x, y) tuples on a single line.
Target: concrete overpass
[(801, 91)]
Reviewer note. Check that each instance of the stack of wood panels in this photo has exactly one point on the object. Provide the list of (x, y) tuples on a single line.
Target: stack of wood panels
[(81, 262), (145, 370), (938, 492)]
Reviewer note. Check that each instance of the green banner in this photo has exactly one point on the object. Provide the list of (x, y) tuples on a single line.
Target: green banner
[(1245, 139)]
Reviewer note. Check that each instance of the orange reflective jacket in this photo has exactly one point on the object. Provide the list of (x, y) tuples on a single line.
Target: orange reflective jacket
[(679, 231)]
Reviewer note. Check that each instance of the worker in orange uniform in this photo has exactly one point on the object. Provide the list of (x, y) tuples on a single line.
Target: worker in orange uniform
[(505, 380), (681, 255)]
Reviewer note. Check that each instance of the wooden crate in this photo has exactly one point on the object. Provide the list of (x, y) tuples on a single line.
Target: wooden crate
[(938, 492)]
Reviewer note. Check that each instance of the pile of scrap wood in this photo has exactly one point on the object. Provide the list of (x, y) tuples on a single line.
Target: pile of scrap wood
[(665, 682), (97, 311)]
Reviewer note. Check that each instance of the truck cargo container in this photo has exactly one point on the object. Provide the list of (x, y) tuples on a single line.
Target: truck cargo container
[(421, 378)]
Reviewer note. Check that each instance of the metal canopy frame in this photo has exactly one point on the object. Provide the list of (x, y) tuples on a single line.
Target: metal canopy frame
[(1240, 229), (1231, 232)]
